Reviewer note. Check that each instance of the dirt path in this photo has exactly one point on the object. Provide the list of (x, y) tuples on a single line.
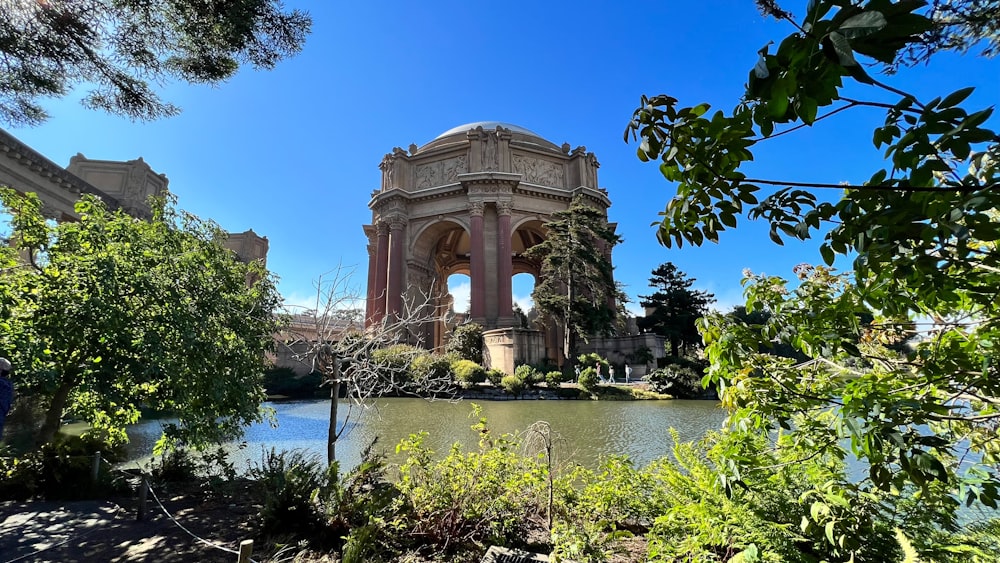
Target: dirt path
[(99, 531)]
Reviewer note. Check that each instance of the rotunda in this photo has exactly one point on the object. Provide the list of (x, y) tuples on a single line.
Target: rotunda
[(470, 201)]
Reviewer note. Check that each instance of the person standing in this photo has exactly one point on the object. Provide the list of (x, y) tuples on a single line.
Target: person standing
[(628, 374), (611, 373), (600, 376), (6, 392)]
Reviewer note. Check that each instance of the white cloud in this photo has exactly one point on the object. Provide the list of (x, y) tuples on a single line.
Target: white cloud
[(525, 302), (461, 294)]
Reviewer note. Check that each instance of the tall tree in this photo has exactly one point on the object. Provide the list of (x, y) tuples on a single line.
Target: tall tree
[(576, 287), (922, 233), (123, 49), (111, 314), (675, 308)]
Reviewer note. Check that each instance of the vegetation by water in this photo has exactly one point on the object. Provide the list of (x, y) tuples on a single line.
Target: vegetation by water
[(450, 505)]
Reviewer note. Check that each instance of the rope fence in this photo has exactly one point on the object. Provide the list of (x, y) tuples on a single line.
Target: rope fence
[(144, 489)]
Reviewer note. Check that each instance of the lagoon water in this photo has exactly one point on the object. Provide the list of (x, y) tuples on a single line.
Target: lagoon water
[(583, 431)]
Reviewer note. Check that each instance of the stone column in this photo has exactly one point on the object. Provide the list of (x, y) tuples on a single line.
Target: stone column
[(381, 271), (477, 262), (372, 274), (394, 291), (505, 267)]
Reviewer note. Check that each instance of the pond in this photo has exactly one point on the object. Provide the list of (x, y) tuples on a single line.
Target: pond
[(583, 431)]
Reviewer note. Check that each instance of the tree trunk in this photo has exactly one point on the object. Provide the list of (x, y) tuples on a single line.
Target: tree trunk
[(569, 354), (331, 445), (53, 417), (674, 346)]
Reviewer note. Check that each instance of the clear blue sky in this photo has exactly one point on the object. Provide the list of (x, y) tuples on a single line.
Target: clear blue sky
[(293, 153)]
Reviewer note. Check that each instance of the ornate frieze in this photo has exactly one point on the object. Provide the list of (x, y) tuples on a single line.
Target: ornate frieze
[(538, 171), (441, 172)]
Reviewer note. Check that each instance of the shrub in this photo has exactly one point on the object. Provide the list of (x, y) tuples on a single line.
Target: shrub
[(591, 360), (681, 378), (428, 366), (19, 476), (555, 378), (393, 362), (66, 463), (495, 376), (487, 496), (588, 379), (513, 385), (288, 481), (529, 375), (466, 340), (468, 373)]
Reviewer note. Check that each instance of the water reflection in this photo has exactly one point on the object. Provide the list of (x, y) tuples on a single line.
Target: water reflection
[(584, 431)]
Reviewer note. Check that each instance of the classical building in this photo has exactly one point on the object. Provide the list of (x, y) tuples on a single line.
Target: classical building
[(471, 201), (121, 185)]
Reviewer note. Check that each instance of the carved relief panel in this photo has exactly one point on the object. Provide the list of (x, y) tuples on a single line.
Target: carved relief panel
[(538, 171), (441, 172)]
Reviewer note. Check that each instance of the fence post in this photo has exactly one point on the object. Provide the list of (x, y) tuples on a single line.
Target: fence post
[(95, 468), (143, 492), (246, 550)]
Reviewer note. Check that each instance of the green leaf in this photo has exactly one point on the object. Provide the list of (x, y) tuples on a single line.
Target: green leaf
[(807, 109), (842, 47), (828, 255), (863, 24), (956, 97)]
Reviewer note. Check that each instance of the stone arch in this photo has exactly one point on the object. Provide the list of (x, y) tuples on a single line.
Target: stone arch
[(472, 200)]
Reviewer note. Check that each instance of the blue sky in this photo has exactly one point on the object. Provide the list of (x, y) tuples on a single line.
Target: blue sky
[(293, 153)]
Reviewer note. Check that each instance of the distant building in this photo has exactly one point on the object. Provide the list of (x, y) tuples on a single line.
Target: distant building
[(120, 185)]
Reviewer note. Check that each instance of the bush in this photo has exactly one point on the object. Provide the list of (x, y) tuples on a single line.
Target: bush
[(393, 362), (529, 375), (591, 360), (19, 476), (495, 376), (555, 378), (489, 496), (466, 340), (680, 378), (288, 481), (428, 366), (468, 373), (588, 379), (513, 385)]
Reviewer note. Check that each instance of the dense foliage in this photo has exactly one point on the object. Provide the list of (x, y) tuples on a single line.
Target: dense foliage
[(675, 308), (921, 232), (111, 314), (466, 340), (123, 49), (576, 288)]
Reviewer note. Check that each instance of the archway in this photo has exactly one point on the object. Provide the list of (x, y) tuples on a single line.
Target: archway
[(523, 286)]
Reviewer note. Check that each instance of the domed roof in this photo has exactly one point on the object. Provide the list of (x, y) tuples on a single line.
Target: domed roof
[(520, 134), (489, 126)]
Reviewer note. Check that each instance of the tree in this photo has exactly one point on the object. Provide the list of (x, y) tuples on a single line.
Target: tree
[(675, 307), (576, 286), (122, 48), (111, 314), (922, 234), (466, 340), (354, 363)]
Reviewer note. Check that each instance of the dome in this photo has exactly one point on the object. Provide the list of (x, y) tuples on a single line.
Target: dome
[(520, 134), (489, 126)]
